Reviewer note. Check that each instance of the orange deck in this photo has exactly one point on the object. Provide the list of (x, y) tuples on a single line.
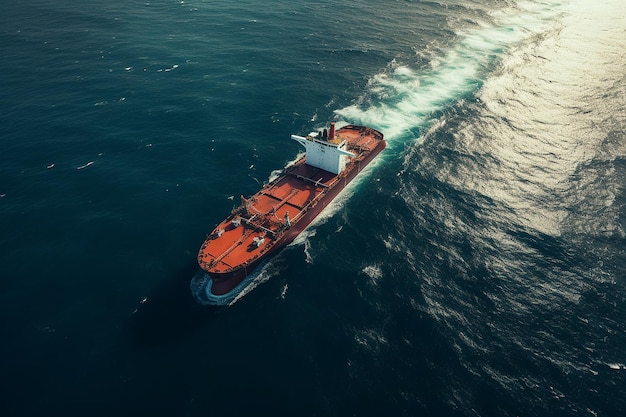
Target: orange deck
[(260, 222), (266, 216)]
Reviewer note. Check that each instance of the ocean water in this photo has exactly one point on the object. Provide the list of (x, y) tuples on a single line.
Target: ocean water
[(477, 268)]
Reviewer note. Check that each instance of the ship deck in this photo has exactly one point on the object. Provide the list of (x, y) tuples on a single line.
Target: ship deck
[(263, 217), (288, 196)]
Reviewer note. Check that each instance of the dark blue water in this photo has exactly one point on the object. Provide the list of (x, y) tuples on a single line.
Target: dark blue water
[(477, 268)]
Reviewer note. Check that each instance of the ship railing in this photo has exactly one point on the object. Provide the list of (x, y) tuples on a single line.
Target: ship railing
[(366, 146), (305, 209), (300, 215), (258, 227), (317, 183), (365, 131)]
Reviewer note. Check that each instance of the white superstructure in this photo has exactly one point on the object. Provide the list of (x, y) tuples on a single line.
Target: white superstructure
[(329, 154)]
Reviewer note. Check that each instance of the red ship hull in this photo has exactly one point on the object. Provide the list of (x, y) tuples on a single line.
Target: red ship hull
[(253, 232)]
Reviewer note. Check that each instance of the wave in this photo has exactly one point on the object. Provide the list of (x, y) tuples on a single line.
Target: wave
[(201, 283), (401, 100)]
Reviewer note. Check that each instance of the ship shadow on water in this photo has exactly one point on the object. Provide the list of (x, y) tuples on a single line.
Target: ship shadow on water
[(169, 312)]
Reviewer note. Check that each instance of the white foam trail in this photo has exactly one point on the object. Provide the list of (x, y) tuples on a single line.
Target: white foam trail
[(277, 172), (401, 99), (374, 273), (302, 237), (90, 163), (283, 291), (200, 285)]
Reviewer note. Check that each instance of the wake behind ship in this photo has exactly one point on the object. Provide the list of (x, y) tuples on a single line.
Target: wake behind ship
[(272, 218)]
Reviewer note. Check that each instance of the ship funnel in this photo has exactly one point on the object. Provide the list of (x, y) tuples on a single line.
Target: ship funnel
[(331, 134)]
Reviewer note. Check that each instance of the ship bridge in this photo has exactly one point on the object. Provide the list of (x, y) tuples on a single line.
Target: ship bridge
[(327, 152)]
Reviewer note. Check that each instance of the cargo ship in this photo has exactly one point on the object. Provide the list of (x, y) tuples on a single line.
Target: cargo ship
[(272, 218)]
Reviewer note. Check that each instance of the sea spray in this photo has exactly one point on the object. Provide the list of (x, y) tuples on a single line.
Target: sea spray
[(401, 100)]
